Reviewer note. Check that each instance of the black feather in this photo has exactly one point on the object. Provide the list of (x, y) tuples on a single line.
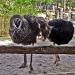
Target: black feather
[(62, 31)]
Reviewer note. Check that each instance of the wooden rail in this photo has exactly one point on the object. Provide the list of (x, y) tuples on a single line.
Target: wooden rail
[(37, 49)]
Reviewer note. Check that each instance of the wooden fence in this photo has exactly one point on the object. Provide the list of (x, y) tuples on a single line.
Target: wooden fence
[(37, 49), (4, 25)]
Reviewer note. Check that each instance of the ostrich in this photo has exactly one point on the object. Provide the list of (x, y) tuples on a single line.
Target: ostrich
[(24, 30), (61, 32)]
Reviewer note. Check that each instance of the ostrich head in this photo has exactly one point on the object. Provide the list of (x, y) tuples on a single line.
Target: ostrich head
[(43, 28)]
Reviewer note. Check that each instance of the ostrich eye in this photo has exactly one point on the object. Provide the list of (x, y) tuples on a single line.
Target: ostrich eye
[(17, 22)]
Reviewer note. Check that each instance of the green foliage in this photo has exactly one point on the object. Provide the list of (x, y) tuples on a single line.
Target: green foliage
[(48, 1), (23, 1), (10, 7), (73, 3)]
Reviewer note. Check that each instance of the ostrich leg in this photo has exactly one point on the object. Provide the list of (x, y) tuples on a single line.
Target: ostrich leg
[(31, 67), (25, 62), (57, 58)]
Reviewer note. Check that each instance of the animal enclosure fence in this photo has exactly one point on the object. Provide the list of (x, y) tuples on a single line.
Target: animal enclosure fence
[(4, 25), (12, 49)]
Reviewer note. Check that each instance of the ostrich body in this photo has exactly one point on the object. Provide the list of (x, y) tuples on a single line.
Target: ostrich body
[(61, 33)]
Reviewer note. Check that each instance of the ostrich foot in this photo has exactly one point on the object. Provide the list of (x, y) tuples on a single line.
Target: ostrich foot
[(23, 65), (57, 60), (31, 69)]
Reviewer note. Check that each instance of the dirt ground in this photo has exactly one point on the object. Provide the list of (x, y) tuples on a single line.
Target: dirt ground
[(42, 63)]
